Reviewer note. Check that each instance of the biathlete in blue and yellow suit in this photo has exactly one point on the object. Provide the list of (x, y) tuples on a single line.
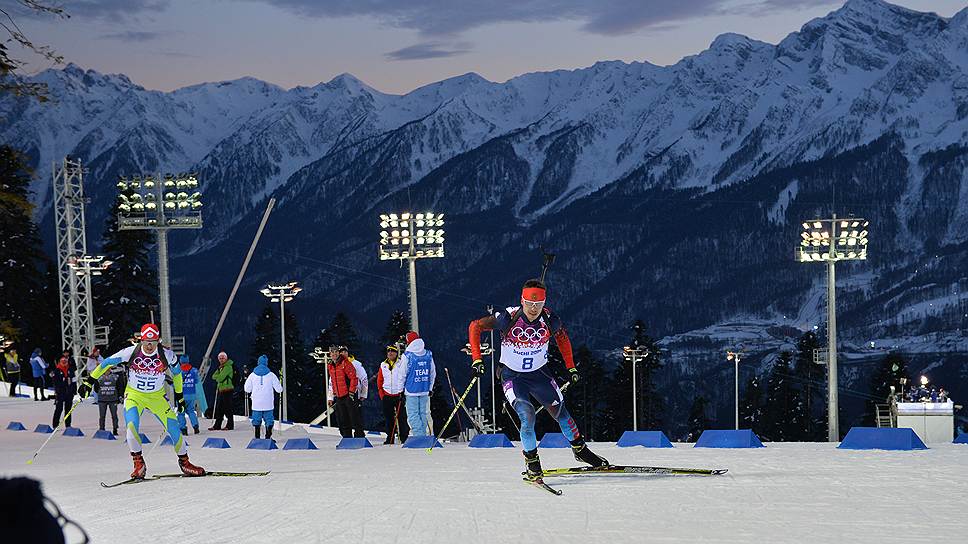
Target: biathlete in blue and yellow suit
[(147, 366)]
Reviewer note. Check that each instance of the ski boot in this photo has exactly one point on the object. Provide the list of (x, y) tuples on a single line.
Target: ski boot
[(184, 431), (258, 432), (139, 466), (533, 465), (269, 433), (187, 468), (585, 455), (195, 428)]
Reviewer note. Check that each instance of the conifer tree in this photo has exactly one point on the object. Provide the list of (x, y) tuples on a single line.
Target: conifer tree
[(21, 254), (811, 379), (396, 328), (784, 409), (618, 413), (698, 421), (751, 406)]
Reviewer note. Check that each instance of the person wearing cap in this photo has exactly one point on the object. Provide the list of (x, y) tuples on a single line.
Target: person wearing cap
[(390, 382), (262, 384), (64, 388), (148, 364), (343, 384), (224, 390), (526, 331), (189, 383), (420, 373)]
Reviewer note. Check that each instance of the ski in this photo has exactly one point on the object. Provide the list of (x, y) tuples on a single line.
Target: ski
[(632, 469), (540, 484), (124, 482), (212, 473)]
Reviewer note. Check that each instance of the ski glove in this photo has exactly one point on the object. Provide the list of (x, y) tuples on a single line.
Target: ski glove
[(179, 402), (478, 367), (86, 387), (574, 375)]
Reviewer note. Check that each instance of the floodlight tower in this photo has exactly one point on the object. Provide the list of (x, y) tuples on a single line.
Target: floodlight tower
[(160, 204), (74, 266), (734, 356), (410, 237), (634, 355), (282, 294), (832, 240)]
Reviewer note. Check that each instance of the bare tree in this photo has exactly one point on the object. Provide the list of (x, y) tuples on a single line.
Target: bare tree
[(10, 78)]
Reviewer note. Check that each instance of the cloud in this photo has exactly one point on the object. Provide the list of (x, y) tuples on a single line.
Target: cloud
[(434, 18), (428, 50), (132, 36), (115, 10), (178, 55)]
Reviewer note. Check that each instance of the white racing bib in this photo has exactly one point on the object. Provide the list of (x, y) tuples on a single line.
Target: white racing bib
[(525, 347), (146, 374)]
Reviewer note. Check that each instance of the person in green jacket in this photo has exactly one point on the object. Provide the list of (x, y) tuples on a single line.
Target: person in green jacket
[(223, 397)]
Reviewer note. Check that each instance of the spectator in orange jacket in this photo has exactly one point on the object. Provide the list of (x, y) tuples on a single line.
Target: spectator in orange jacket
[(342, 376)]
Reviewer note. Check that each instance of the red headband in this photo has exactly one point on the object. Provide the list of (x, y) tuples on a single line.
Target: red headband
[(533, 294)]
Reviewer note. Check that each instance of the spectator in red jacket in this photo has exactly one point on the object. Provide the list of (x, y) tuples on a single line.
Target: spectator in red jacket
[(342, 376)]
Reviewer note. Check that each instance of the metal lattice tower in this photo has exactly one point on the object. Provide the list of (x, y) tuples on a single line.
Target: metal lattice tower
[(77, 316)]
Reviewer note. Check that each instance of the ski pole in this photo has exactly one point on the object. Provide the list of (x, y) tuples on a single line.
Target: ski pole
[(36, 453), (395, 428), (453, 397), (563, 388), (460, 401)]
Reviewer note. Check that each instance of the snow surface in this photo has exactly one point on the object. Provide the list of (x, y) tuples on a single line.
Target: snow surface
[(781, 493)]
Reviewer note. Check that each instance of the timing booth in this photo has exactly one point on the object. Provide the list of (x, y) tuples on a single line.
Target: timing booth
[(932, 421)]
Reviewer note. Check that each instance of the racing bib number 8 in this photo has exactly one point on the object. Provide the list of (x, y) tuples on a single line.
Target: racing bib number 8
[(527, 363)]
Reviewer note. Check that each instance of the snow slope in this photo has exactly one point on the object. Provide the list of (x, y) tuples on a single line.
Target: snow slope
[(781, 493)]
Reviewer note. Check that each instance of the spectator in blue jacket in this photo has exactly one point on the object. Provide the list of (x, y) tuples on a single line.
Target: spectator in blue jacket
[(418, 364), (38, 368), (189, 384)]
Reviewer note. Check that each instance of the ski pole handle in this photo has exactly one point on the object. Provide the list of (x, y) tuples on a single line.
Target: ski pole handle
[(460, 401), (67, 415)]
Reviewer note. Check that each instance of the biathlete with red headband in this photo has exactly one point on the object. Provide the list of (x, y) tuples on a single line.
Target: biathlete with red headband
[(525, 333)]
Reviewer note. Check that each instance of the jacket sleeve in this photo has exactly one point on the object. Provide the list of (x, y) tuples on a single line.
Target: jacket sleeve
[(276, 384), (117, 358), (474, 334), (350, 375), (564, 345), (379, 382), (177, 379), (433, 373), (248, 384)]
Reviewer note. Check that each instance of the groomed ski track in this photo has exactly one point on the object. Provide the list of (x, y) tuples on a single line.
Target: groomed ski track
[(781, 493)]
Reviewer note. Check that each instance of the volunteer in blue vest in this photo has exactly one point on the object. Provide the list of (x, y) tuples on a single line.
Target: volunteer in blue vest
[(189, 382), (418, 366)]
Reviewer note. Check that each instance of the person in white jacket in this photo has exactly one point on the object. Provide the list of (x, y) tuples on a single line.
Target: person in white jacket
[(262, 385), (362, 380)]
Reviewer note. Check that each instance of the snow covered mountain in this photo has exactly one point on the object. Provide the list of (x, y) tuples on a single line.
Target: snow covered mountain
[(670, 193)]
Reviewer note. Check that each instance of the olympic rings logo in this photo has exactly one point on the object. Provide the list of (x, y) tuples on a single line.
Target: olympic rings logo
[(529, 334), (151, 365)]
